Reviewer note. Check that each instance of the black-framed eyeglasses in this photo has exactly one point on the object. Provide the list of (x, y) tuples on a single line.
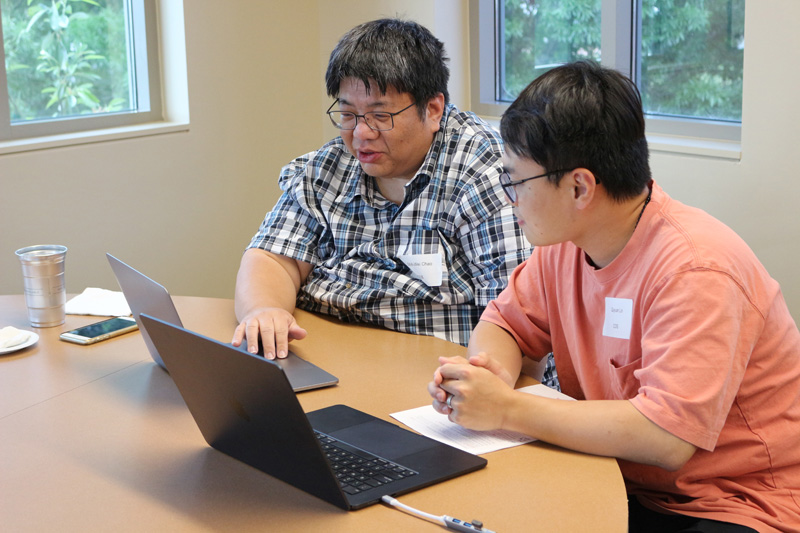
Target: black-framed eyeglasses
[(376, 120), (508, 185)]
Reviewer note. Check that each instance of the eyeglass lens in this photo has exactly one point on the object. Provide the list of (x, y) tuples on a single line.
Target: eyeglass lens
[(348, 121), (508, 188)]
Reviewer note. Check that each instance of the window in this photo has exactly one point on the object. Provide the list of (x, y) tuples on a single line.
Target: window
[(77, 65), (686, 57)]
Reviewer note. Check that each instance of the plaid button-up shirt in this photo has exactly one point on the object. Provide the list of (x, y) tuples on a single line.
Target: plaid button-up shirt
[(332, 215)]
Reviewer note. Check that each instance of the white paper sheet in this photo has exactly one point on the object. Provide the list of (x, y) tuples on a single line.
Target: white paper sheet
[(98, 302), (428, 422)]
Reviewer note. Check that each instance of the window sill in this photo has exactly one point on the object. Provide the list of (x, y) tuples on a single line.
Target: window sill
[(93, 136), (677, 144)]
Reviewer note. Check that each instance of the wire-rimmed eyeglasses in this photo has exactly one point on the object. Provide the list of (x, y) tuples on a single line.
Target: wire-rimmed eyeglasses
[(508, 185), (376, 120)]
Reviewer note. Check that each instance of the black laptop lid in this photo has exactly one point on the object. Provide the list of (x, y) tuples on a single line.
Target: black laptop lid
[(245, 407)]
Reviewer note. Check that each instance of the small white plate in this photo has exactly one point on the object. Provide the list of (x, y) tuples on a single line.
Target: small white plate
[(33, 339)]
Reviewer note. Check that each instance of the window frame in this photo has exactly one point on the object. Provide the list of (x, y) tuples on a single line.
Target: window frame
[(166, 96), (620, 38)]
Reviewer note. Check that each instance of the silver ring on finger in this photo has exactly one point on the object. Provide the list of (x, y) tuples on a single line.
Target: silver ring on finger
[(449, 401)]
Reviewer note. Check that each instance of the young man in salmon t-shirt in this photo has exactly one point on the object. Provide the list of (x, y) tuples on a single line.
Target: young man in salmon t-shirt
[(660, 318)]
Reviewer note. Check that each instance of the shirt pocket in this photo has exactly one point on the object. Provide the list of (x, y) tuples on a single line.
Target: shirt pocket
[(413, 241), (421, 254), (624, 384), (421, 263)]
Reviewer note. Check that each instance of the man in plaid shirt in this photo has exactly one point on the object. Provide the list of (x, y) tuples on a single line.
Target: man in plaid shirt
[(399, 222)]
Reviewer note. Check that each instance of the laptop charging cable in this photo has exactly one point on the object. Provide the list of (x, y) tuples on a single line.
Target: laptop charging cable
[(446, 521)]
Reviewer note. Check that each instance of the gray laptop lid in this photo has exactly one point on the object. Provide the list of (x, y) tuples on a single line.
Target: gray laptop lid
[(144, 296), (245, 407), (147, 296)]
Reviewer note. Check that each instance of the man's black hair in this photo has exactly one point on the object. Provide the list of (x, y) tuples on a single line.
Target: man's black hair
[(391, 52), (582, 115)]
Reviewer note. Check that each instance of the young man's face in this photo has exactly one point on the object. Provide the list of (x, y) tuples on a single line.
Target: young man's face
[(399, 152), (543, 210)]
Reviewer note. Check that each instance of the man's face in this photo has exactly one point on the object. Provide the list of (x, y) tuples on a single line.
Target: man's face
[(399, 152), (543, 210)]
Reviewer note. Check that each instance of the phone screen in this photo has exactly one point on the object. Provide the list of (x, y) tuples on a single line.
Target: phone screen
[(104, 327), (99, 331)]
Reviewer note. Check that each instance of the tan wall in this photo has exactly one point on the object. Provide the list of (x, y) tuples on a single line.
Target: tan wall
[(181, 207)]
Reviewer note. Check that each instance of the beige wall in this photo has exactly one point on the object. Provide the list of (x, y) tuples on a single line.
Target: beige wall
[(181, 207)]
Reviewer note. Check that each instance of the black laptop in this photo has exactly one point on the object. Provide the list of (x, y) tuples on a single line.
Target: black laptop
[(245, 408), (147, 296)]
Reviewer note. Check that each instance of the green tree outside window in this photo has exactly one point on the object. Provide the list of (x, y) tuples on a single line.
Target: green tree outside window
[(65, 58), (691, 53)]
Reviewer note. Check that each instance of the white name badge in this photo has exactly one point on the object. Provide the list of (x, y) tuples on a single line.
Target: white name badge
[(427, 267), (619, 316)]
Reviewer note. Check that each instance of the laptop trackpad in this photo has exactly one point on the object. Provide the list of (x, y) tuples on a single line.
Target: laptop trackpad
[(368, 432)]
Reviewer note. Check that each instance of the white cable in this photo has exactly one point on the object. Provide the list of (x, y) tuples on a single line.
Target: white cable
[(422, 514), (444, 520)]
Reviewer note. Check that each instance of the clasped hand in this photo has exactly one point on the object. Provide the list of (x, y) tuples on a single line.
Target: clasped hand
[(480, 390), (275, 326)]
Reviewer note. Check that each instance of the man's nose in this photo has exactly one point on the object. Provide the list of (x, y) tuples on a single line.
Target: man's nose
[(363, 131)]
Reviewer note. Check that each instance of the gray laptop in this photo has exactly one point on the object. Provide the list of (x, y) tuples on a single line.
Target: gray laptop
[(245, 408), (147, 296)]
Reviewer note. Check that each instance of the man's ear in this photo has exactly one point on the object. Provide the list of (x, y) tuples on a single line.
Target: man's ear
[(434, 111), (584, 187)]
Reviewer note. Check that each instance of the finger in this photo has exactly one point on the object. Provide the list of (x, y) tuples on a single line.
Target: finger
[(267, 339), (440, 407), (480, 359), (455, 371), (437, 377), (453, 416), (439, 396), (454, 360), (435, 389), (454, 387), (483, 360), (281, 334), (450, 401), (296, 332), (238, 334)]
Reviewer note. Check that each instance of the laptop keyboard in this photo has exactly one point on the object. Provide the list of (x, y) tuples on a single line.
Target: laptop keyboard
[(358, 470)]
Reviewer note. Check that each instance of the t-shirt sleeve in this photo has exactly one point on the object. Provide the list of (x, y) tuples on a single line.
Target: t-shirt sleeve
[(697, 336)]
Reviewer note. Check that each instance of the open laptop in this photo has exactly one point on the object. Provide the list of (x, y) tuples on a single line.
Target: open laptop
[(147, 296), (245, 408)]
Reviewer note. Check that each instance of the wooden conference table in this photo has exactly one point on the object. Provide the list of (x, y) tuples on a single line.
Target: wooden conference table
[(97, 438)]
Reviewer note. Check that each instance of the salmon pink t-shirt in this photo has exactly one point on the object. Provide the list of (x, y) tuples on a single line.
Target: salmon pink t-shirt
[(686, 324)]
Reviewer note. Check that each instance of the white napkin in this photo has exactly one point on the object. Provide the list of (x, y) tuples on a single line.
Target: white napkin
[(100, 302), (11, 336)]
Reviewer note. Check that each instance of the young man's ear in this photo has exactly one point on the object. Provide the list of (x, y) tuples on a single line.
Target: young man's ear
[(584, 186)]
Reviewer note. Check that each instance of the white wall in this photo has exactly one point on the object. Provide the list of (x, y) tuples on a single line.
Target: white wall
[(181, 207)]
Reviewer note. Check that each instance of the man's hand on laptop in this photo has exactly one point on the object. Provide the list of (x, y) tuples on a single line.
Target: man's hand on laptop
[(276, 327)]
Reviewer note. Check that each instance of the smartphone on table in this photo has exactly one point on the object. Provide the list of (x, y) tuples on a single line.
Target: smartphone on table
[(100, 331)]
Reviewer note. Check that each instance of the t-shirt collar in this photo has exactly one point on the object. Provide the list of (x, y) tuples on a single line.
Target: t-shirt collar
[(633, 247)]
